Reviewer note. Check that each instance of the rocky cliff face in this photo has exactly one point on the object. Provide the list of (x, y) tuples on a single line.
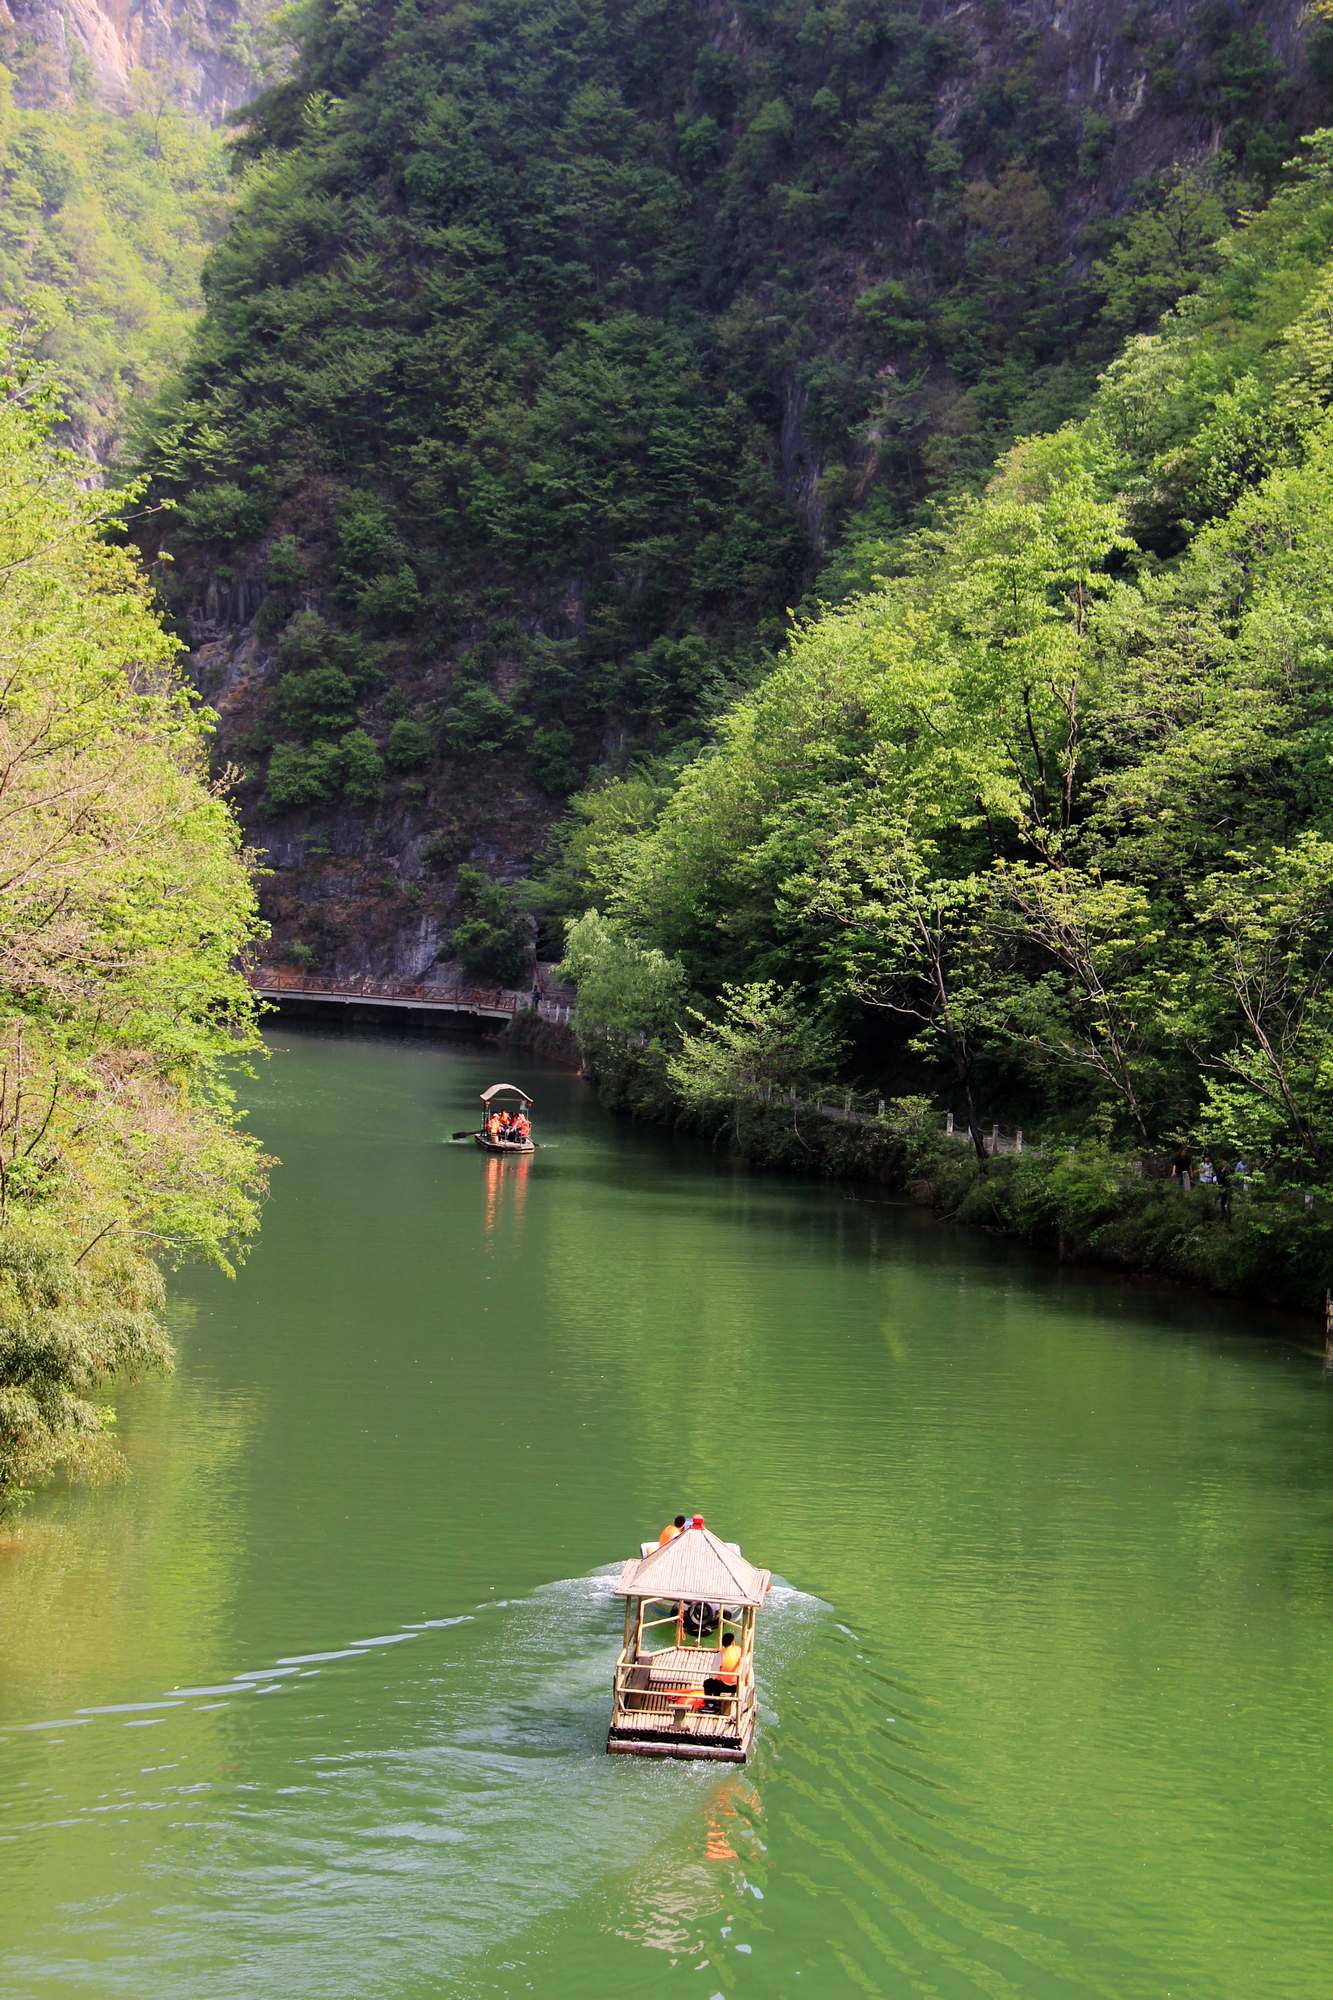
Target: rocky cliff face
[(203, 53)]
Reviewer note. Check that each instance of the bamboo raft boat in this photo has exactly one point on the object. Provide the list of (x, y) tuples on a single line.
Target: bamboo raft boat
[(482, 1136), (679, 1599)]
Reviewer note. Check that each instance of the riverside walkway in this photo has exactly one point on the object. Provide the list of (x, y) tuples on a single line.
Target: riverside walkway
[(486, 1003)]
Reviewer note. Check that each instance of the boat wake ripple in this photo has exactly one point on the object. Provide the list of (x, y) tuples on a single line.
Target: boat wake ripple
[(440, 1788)]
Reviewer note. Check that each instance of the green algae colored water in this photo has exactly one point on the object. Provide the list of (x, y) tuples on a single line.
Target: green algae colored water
[(315, 1706)]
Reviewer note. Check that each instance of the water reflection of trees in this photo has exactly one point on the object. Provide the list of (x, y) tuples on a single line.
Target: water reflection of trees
[(101, 1592)]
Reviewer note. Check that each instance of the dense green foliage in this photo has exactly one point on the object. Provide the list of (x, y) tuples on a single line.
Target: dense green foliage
[(125, 903), (1043, 823), (105, 220), (491, 941), (555, 342)]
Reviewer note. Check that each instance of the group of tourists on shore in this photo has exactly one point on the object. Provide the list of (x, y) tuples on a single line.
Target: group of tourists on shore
[(505, 1128), (1220, 1177)]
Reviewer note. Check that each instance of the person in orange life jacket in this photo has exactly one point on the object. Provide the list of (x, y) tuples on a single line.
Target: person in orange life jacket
[(671, 1530), (520, 1128), (723, 1682)]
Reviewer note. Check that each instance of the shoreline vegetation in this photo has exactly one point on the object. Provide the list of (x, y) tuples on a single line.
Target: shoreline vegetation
[(126, 911), (1085, 1203), (1080, 1203), (1041, 824), (505, 448)]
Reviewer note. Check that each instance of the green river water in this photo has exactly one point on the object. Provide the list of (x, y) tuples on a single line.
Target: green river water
[(314, 1707)]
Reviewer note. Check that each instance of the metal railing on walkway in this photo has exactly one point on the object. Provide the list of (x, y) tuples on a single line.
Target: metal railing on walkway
[(868, 1108), (279, 982), (276, 982)]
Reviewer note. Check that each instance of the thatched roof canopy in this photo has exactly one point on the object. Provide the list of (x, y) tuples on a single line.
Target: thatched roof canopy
[(695, 1568), (498, 1089)]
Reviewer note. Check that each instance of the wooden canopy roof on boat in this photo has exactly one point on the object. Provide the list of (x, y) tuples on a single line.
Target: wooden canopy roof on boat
[(496, 1089), (695, 1568)]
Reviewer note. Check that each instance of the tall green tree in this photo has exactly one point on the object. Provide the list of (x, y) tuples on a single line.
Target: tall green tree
[(126, 909)]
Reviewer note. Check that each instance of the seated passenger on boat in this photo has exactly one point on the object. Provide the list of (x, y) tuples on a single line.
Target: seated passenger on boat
[(520, 1127), (723, 1682), (671, 1530)]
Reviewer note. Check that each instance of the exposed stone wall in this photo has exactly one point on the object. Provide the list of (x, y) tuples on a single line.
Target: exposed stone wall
[(203, 54)]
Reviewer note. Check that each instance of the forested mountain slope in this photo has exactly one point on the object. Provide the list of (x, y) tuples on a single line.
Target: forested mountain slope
[(557, 345), (1041, 827), (114, 186)]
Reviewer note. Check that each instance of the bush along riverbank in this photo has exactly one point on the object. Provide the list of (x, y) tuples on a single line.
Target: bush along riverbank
[(1082, 1202), (1094, 1205)]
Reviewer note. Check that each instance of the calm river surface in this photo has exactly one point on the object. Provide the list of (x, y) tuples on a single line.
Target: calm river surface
[(315, 1706)]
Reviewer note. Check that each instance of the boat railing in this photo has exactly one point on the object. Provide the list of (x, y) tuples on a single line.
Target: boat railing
[(677, 1619), (633, 1678), (671, 1618)]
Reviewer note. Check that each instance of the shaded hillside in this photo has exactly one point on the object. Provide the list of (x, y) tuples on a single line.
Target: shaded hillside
[(556, 345)]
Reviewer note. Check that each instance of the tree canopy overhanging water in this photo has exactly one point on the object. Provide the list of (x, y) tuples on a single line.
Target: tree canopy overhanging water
[(320, 1696)]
